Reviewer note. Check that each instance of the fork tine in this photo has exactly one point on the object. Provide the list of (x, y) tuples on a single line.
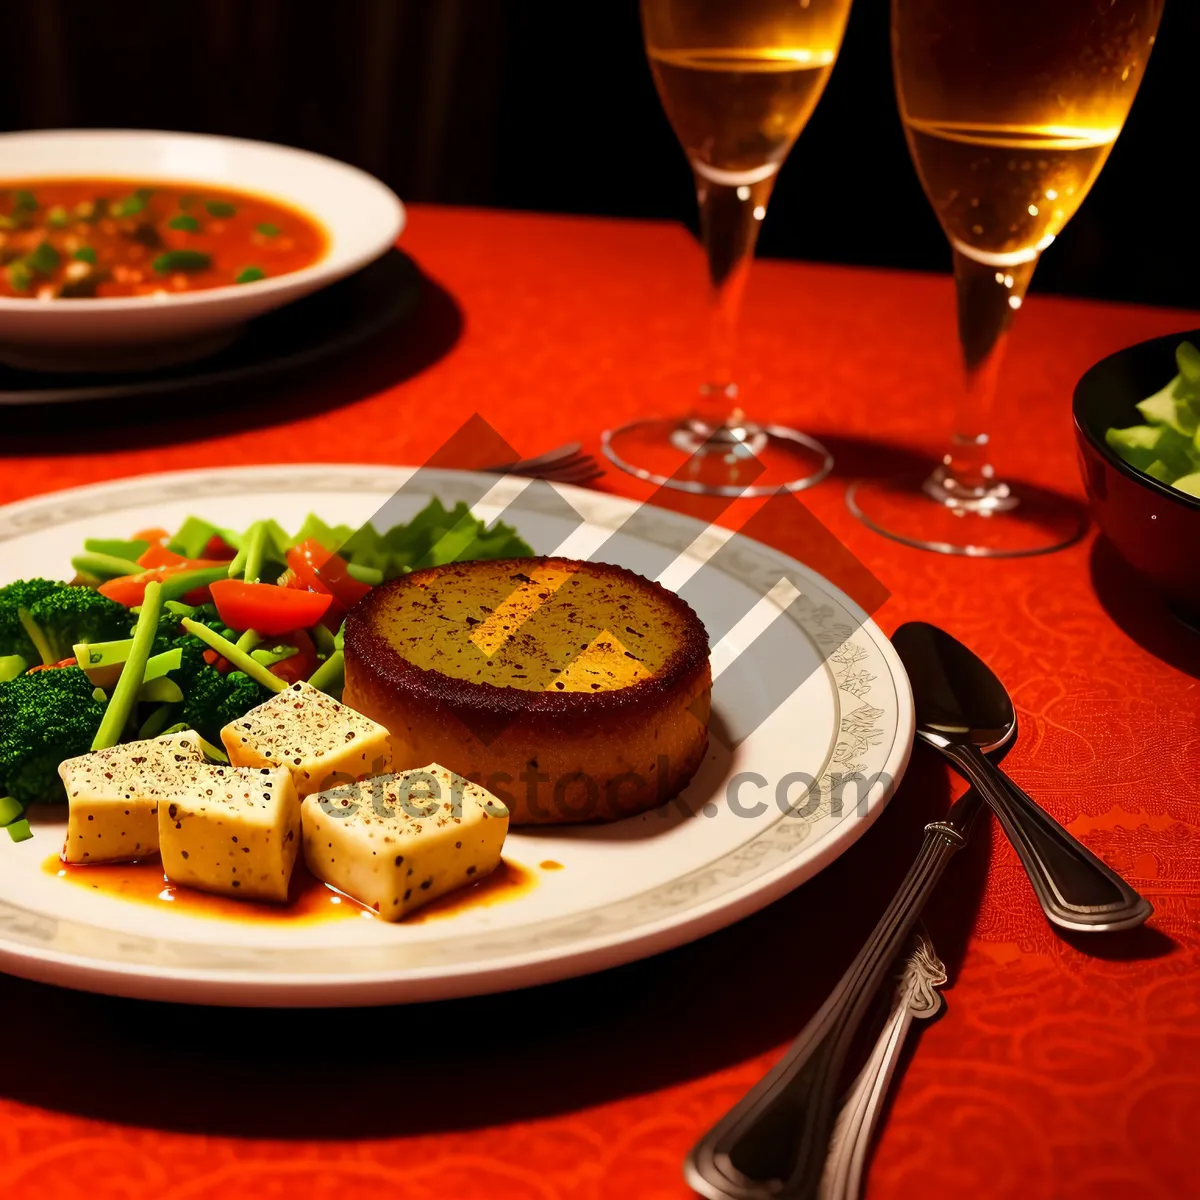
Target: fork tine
[(551, 458)]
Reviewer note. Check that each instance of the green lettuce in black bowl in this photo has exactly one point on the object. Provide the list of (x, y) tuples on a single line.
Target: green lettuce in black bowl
[(1135, 428)]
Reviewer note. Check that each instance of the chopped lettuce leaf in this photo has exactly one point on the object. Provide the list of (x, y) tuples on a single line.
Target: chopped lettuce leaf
[(117, 547), (193, 536), (435, 536), (329, 536), (1171, 407), (1167, 448)]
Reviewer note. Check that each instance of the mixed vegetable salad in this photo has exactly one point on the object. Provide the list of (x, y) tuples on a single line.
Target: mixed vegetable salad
[(190, 630), (1167, 447)]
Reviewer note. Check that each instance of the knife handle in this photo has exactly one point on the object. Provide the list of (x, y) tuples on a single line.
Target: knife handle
[(773, 1142), (1076, 890)]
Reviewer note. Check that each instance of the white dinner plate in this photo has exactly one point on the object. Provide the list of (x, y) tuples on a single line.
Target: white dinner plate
[(745, 831)]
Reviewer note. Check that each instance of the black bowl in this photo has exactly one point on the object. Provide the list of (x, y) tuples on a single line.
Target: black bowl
[(1156, 528)]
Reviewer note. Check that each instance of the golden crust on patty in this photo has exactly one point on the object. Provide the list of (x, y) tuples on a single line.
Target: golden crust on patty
[(574, 691)]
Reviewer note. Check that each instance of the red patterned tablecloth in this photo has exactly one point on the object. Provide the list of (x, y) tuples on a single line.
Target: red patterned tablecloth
[(1060, 1069)]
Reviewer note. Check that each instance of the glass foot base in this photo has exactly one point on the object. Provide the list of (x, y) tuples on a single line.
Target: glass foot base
[(1004, 522), (748, 460)]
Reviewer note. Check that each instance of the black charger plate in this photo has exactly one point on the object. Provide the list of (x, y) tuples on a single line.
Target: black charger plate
[(326, 323)]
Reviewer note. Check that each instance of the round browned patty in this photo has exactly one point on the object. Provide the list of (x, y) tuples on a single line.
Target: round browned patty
[(574, 691)]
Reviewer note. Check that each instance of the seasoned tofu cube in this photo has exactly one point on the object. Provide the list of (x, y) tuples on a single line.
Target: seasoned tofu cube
[(321, 741), (398, 841), (232, 830), (114, 796)]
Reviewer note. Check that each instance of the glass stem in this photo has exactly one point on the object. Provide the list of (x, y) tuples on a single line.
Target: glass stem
[(731, 214), (988, 296)]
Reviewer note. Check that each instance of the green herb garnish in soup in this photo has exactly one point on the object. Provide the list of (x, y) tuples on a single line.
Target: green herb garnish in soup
[(182, 260), (99, 238)]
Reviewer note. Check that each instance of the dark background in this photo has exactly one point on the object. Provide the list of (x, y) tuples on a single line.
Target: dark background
[(549, 104)]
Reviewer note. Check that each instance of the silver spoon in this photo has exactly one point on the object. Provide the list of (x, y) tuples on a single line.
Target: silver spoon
[(962, 708)]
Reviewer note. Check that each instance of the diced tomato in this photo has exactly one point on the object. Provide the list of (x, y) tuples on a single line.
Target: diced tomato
[(219, 549), (216, 660), (303, 568), (197, 596), (266, 607), (302, 664), (324, 571)]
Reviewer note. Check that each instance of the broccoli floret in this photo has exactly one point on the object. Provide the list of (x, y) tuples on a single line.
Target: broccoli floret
[(45, 717), (78, 614), (206, 614), (169, 631), (211, 700), (22, 595)]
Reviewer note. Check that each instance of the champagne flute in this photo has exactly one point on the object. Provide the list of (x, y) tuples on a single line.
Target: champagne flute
[(738, 80), (1010, 111)]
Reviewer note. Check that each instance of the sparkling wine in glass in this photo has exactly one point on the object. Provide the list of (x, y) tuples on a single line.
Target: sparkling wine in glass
[(738, 80), (1010, 110)]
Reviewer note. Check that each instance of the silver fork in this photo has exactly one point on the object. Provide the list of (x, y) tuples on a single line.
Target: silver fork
[(564, 464), (916, 998)]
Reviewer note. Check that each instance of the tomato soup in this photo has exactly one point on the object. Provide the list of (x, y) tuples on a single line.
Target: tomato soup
[(97, 238)]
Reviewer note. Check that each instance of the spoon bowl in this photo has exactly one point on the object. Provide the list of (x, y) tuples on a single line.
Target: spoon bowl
[(960, 698)]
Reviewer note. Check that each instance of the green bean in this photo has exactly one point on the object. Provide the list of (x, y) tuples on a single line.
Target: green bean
[(255, 544), (235, 657), (41, 643), (124, 696), (371, 576), (249, 640), (105, 566), (237, 566), (155, 724), (249, 275), (175, 586), (330, 675), (323, 640)]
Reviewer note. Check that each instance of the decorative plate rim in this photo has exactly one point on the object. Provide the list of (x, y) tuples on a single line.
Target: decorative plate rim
[(749, 876)]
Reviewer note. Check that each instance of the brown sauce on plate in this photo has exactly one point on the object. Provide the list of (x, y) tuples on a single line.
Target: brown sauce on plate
[(309, 902)]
